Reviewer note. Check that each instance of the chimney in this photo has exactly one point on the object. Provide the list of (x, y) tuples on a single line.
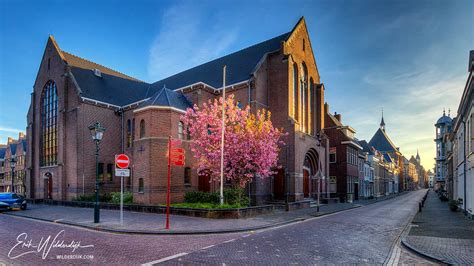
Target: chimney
[(326, 108), (10, 140), (21, 135), (337, 116)]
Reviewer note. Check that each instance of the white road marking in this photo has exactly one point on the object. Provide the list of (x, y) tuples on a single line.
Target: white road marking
[(228, 241), (208, 247), (164, 259), (58, 220)]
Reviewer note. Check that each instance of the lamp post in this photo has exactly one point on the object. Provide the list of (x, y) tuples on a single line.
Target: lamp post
[(12, 165), (97, 132), (319, 174)]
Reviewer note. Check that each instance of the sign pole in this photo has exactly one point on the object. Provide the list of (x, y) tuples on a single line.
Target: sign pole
[(168, 189), (121, 200)]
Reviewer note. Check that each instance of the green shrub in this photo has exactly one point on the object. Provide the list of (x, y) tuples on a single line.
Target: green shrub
[(236, 196), (127, 197), (232, 197), (201, 197), (91, 198)]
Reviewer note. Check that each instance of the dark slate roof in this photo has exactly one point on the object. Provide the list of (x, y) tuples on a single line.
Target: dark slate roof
[(109, 88), (387, 158), (23, 142), (240, 66), (444, 120), (166, 97), (381, 142), (365, 147), (13, 148), (2, 152)]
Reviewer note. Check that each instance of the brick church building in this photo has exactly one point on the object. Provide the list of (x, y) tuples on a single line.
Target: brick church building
[(71, 93)]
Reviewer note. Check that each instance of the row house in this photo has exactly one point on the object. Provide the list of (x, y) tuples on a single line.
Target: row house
[(462, 169), (13, 179), (366, 171), (70, 93), (344, 152)]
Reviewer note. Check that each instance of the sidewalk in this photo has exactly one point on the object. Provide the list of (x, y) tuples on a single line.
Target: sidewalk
[(152, 223), (441, 234)]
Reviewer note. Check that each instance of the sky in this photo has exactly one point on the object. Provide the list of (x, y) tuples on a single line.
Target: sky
[(408, 58)]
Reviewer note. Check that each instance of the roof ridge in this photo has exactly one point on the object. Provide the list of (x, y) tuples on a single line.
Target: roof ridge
[(218, 58), (107, 68)]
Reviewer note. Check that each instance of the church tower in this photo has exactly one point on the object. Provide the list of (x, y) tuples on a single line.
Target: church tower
[(382, 123)]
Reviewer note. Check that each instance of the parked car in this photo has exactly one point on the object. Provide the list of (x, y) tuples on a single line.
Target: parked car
[(4, 206), (13, 200)]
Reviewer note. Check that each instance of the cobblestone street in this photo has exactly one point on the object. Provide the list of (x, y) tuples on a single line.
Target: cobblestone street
[(364, 235)]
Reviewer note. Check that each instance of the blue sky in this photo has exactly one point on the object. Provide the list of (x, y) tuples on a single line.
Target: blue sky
[(407, 57)]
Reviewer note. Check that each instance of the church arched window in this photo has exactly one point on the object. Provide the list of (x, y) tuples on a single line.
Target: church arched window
[(49, 125)]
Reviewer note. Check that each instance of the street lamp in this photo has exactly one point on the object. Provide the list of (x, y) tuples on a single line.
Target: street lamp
[(97, 132), (319, 174), (12, 165)]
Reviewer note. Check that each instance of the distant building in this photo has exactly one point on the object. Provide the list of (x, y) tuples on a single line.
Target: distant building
[(443, 128), (366, 171), (391, 156), (343, 157), (13, 149)]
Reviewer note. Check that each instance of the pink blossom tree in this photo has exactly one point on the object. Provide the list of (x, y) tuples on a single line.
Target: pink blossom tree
[(251, 143)]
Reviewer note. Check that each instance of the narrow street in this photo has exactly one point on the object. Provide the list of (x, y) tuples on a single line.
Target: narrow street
[(361, 235)]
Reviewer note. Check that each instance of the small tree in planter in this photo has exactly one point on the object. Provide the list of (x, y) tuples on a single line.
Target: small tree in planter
[(251, 143), (453, 205)]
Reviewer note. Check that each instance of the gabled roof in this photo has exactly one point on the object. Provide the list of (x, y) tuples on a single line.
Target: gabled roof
[(13, 148), (381, 142), (2, 153), (240, 66), (365, 147), (166, 97), (23, 143), (387, 158), (74, 60), (109, 88)]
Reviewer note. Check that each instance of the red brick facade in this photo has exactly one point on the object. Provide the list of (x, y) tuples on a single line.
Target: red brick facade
[(269, 86)]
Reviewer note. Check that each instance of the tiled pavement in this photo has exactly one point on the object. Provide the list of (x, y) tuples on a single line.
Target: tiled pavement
[(441, 234), (136, 222)]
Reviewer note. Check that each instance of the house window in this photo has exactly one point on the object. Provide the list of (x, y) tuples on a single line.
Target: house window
[(110, 169), (188, 133), (101, 171), (311, 107), (332, 156), (141, 188), (133, 130), (187, 176), (180, 130), (49, 125), (295, 92), (129, 133), (142, 128)]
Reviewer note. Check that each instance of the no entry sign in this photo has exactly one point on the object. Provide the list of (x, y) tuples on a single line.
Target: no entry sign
[(122, 161)]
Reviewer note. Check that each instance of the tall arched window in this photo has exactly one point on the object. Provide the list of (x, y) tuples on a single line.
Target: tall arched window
[(180, 130), (49, 125), (129, 133), (295, 92), (304, 99), (142, 128), (311, 107)]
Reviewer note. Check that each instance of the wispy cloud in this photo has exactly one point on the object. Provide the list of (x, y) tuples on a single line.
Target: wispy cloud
[(182, 43), (11, 130)]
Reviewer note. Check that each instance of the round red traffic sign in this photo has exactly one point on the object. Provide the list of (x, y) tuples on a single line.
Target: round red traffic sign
[(122, 161)]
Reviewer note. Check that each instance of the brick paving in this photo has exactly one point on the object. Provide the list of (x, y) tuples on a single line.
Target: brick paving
[(155, 223), (357, 236), (441, 234)]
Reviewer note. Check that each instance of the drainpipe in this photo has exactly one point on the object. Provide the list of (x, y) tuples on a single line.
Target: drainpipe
[(121, 130)]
